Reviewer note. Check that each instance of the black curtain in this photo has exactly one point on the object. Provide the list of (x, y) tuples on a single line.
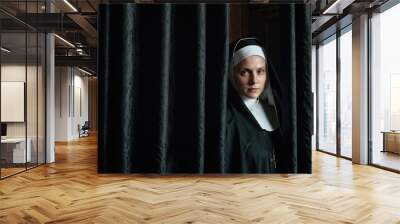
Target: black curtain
[(162, 76), (161, 87)]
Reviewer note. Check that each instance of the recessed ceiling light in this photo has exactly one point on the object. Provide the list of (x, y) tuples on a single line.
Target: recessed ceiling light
[(337, 7), (84, 71), (5, 50), (329, 9), (65, 41), (70, 5)]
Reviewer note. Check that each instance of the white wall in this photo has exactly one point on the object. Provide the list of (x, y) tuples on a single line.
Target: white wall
[(71, 102)]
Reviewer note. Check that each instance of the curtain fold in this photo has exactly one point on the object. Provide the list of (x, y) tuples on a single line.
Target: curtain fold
[(188, 117), (300, 91), (304, 84), (166, 33), (296, 66), (292, 62), (216, 87), (118, 57)]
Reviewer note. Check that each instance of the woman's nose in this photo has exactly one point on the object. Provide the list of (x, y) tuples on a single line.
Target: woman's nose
[(252, 78)]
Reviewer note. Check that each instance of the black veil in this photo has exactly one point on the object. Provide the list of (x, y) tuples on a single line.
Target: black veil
[(280, 102)]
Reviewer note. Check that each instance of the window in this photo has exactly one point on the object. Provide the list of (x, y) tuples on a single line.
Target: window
[(327, 96), (385, 88), (346, 94)]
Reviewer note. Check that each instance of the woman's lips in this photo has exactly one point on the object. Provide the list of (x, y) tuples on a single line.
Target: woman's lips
[(253, 89)]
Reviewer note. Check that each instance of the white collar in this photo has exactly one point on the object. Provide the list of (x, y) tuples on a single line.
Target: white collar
[(265, 117), (249, 102)]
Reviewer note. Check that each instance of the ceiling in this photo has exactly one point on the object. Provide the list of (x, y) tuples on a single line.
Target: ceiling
[(76, 20)]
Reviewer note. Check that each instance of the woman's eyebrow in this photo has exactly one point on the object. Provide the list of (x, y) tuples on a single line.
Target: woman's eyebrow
[(246, 68)]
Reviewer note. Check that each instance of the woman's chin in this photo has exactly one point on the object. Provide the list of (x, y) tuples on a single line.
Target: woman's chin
[(252, 95)]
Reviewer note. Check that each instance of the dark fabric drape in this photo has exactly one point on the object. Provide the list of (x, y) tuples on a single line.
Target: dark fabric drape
[(304, 95), (285, 31), (300, 95), (161, 87)]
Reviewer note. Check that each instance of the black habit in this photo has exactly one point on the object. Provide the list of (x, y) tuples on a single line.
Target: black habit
[(248, 147)]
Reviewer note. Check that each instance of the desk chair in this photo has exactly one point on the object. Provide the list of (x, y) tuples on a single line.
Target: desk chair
[(84, 130)]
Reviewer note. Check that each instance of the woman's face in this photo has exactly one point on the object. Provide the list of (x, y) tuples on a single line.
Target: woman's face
[(250, 76)]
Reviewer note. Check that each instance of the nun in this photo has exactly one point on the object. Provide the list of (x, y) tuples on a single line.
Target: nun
[(252, 137)]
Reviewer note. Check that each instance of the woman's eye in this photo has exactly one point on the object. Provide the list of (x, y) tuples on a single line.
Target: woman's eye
[(261, 72), (244, 72)]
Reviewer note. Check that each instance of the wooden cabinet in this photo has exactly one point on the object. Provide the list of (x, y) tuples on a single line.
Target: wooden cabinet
[(391, 142)]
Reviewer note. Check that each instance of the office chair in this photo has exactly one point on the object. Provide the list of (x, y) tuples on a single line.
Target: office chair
[(84, 130)]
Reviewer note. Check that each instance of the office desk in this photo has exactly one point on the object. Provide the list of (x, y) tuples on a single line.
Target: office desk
[(15, 148), (391, 141)]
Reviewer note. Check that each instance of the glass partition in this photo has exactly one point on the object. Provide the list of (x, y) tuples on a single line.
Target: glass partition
[(33, 72), (346, 94), (22, 88), (14, 153), (327, 96), (31, 99), (41, 91)]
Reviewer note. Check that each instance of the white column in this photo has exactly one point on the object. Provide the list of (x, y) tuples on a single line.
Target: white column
[(50, 92), (50, 99), (360, 90)]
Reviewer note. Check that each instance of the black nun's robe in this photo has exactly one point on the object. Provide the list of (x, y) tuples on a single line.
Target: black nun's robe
[(248, 147)]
